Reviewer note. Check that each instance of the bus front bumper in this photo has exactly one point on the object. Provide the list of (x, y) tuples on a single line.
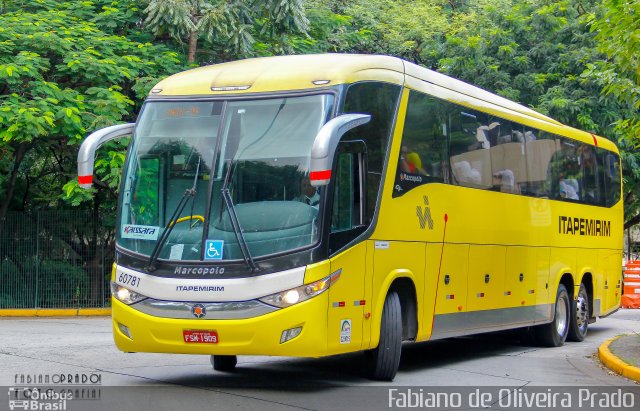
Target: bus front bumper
[(252, 336)]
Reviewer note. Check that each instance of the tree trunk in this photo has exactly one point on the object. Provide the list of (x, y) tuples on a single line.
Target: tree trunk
[(193, 46), (19, 156)]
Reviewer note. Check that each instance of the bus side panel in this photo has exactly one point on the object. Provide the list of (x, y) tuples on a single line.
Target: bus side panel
[(391, 260), (450, 279), (520, 285), (587, 262), (346, 311), (611, 266), (486, 278), (562, 261), (544, 308)]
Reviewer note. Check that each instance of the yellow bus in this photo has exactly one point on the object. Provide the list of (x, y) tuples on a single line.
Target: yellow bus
[(315, 205)]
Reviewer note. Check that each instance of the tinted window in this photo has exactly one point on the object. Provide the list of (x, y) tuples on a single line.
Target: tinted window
[(609, 169), (447, 143), (470, 137), (540, 148), (380, 101), (424, 153)]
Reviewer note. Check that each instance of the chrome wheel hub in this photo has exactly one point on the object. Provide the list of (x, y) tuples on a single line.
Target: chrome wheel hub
[(561, 316), (582, 311)]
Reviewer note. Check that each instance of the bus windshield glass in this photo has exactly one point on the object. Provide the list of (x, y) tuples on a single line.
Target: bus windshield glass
[(205, 179)]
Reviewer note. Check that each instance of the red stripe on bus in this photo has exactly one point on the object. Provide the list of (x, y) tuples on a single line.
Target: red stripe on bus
[(320, 175), (85, 179)]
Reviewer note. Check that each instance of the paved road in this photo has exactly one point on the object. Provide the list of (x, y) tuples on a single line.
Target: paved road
[(83, 346)]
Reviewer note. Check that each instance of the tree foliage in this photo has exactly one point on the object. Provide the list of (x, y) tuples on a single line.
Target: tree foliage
[(617, 29), (67, 68), (226, 26)]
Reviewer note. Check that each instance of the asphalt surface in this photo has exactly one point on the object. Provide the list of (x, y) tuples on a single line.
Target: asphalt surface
[(54, 347)]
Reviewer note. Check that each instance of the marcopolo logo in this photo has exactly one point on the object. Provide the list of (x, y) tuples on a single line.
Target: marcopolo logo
[(140, 232)]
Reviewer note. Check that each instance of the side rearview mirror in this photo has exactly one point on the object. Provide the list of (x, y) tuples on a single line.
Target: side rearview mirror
[(88, 148), (325, 145)]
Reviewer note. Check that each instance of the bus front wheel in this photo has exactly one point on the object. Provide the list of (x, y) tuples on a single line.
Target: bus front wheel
[(555, 333), (225, 363), (579, 315), (385, 359)]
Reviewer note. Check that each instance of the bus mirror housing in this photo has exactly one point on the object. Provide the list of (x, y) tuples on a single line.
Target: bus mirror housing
[(326, 143), (88, 148)]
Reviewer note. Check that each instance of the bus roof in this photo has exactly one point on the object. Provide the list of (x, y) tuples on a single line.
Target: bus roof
[(317, 71)]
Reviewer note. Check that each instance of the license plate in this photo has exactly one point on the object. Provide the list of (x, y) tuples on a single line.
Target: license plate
[(200, 336)]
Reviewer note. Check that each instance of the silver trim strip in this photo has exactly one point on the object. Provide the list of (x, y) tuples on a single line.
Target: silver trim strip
[(209, 290), (212, 311), (476, 322)]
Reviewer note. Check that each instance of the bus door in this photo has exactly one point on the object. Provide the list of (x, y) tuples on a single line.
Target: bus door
[(347, 296)]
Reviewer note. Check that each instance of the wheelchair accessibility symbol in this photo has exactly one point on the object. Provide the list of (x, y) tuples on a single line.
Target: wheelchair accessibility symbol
[(213, 249)]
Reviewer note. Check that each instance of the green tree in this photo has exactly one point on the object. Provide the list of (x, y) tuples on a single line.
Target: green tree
[(617, 28), (403, 28), (64, 72), (230, 24)]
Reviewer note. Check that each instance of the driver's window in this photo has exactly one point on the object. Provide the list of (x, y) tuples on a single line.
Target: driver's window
[(348, 201), (343, 197)]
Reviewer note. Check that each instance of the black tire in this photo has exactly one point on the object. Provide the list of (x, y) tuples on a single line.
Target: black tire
[(385, 359), (226, 363), (555, 333), (580, 313)]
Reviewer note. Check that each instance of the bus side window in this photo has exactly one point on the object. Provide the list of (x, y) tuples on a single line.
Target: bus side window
[(540, 149), (609, 169), (470, 139), (423, 154), (508, 162), (590, 184), (564, 171)]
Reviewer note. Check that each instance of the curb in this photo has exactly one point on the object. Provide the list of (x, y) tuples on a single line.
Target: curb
[(54, 312), (616, 364)]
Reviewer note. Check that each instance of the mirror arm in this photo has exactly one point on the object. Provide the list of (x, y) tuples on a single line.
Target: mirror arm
[(88, 148), (325, 145)]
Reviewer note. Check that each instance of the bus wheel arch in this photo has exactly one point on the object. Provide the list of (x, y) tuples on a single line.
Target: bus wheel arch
[(409, 306), (402, 284)]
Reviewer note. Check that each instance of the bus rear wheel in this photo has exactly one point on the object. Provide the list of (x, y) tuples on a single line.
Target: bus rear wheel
[(555, 333), (226, 363), (385, 359), (579, 315)]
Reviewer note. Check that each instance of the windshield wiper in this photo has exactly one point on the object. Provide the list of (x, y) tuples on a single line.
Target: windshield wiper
[(235, 224), (189, 193)]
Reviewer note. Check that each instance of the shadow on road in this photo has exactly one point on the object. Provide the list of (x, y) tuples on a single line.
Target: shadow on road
[(309, 375)]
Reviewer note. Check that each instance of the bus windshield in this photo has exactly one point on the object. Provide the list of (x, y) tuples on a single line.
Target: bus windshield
[(206, 178)]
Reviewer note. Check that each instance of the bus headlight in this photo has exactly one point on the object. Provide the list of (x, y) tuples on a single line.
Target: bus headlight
[(125, 295), (299, 294)]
